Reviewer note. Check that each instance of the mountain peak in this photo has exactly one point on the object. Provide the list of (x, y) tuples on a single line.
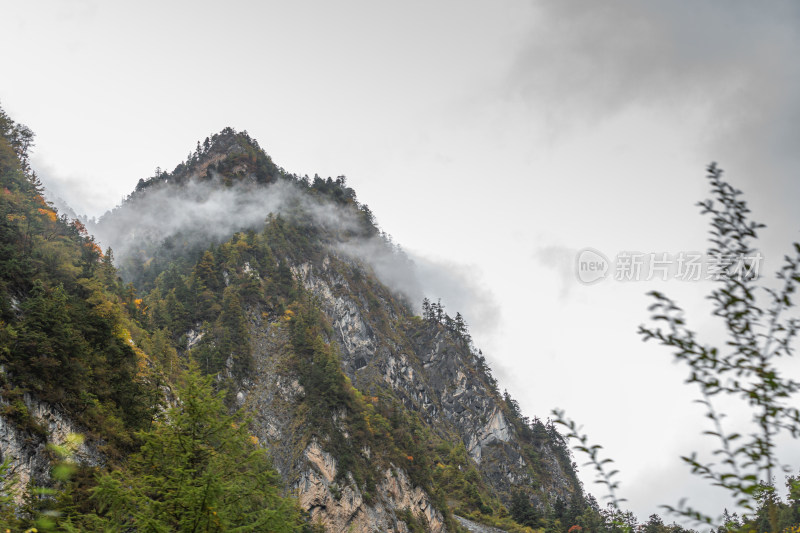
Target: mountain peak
[(233, 154)]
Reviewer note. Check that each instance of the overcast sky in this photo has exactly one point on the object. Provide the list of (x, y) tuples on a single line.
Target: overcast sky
[(497, 138)]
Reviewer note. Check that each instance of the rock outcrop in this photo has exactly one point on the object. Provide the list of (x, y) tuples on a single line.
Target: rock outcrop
[(30, 460), (344, 508)]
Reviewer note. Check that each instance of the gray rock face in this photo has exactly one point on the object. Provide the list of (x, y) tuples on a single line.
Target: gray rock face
[(496, 430), (317, 493), (436, 374), (30, 459), (272, 395), (474, 527)]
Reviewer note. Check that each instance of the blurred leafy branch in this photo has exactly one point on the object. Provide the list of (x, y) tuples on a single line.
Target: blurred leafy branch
[(758, 336), (604, 476)]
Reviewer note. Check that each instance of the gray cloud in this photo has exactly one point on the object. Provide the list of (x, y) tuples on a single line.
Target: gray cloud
[(70, 194), (562, 260), (604, 56), (392, 266), (730, 66), (461, 289), (415, 276)]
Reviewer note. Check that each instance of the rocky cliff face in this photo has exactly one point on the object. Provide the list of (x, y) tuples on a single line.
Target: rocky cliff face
[(344, 508), (273, 395), (436, 374), (429, 369)]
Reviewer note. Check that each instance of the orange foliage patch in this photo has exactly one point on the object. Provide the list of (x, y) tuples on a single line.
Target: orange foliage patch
[(48, 213), (91, 245), (80, 227)]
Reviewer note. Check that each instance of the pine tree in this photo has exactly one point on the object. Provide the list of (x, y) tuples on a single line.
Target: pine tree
[(198, 470), (438, 309), (426, 309), (460, 325), (205, 272)]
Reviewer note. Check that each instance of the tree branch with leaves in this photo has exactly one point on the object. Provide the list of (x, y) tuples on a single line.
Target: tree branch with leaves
[(747, 366), (760, 332)]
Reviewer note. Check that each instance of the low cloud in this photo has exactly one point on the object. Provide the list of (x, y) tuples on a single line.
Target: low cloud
[(461, 290), (415, 277), (209, 211), (70, 194)]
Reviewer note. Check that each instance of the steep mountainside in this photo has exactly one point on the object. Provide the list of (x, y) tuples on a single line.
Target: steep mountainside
[(416, 421), (284, 290)]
